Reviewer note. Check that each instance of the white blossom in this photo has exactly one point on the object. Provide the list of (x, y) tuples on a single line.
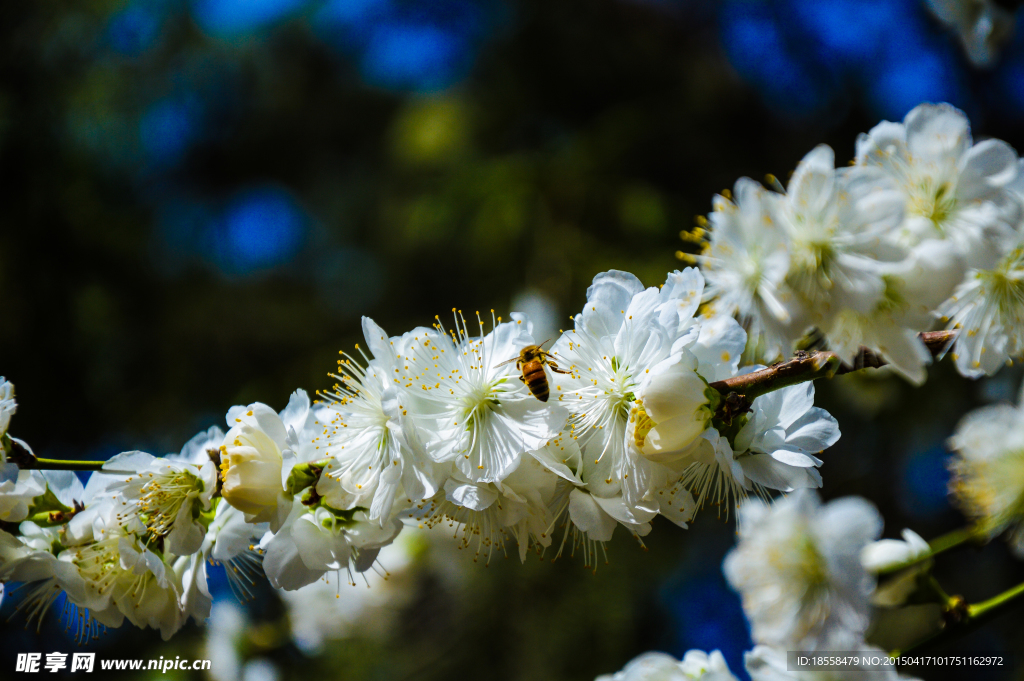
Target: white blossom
[(745, 263), (18, 489), (330, 610), (888, 553), (31, 557), (258, 453), (204, 446), (797, 568), (476, 412), (671, 409), (119, 577), (105, 568), (988, 309), (519, 508), (592, 518), (312, 541), (953, 189), (374, 451), (775, 449), (168, 498), (988, 470), (228, 541), (637, 402), (696, 665), (885, 554), (8, 405), (836, 221)]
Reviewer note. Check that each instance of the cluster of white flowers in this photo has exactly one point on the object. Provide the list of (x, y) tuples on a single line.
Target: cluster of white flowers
[(805, 572), (531, 450), (438, 425), (132, 547), (925, 225)]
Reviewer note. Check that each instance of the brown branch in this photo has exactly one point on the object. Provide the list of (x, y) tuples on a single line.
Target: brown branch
[(809, 366)]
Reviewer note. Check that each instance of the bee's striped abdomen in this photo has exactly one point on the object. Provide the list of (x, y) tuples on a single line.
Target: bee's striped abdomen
[(536, 380)]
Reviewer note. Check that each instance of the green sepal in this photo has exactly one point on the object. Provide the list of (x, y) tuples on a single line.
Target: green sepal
[(47, 502), (714, 400), (46, 519), (304, 475), (713, 397), (730, 431), (205, 517), (154, 543), (342, 517)]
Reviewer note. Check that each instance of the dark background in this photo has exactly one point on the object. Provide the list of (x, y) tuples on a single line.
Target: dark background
[(200, 199)]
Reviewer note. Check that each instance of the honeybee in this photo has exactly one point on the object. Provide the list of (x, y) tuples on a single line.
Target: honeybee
[(531, 361)]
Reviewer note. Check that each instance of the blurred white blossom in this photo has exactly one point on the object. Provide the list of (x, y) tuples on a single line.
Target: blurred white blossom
[(8, 405), (982, 26), (885, 554), (696, 665), (331, 609), (888, 553), (988, 470), (797, 568)]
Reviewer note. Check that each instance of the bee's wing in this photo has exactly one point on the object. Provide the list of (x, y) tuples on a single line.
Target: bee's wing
[(507, 361)]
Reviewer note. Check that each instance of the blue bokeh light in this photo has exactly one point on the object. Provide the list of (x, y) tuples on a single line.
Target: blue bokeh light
[(259, 229), (231, 18), (1011, 81), (133, 30), (804, 55), (353, 13), (707, 615), (847, 32), (420, 46), (167, 129), (902, 84), (924, 483), (1006, 93), (757, 48), (217, 581), (420, 57)]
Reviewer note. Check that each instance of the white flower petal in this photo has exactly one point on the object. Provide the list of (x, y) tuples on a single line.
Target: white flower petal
[(589, 517)]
